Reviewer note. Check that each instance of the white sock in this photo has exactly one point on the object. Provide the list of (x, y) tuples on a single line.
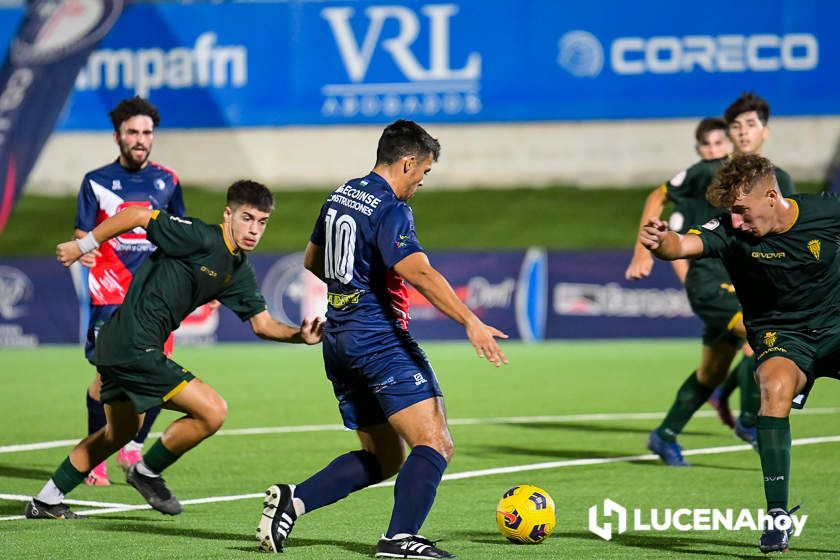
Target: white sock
[(300, 507), (50, 494), (133, 446), (146, 471)]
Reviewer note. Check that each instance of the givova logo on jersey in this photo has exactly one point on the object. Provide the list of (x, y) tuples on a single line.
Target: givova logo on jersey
[(389, 38)]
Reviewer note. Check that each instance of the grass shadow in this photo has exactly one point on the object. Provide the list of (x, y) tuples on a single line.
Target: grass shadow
[(154, 528), (9, 471)]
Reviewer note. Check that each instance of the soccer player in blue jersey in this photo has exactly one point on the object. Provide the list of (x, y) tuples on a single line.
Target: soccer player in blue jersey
[(364, 246), (131, 180)]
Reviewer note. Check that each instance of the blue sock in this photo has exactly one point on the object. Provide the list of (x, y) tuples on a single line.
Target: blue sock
[(415, 490), (347, 473), (96, 414), (151, 416)]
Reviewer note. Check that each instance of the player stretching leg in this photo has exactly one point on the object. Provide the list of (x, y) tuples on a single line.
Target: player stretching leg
[(363, 246), (195, 263)]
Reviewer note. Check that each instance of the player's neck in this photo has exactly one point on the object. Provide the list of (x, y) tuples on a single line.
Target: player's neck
[(393, 181), (786, 215), (227, 235), (128, 167)]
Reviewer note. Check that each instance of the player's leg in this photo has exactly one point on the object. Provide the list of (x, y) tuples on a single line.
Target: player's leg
[(423, 426), (121, 424), (154, 380), (745, 426), (779, 380), (695, 390), (99, 314)]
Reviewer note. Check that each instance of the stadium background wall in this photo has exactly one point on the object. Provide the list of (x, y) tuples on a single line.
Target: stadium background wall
[(537, 92)]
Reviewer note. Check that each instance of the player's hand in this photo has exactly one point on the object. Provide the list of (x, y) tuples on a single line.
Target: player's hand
[(653, 234), (213, 305), (68, 252), (640, 266), (483, 338), (312, 330), (89, 259)]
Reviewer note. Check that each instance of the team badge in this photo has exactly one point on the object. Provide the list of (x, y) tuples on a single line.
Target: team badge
[(814, 247), (769, 338)]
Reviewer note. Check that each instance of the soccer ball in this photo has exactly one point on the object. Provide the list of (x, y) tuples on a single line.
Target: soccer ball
[(525, 515)]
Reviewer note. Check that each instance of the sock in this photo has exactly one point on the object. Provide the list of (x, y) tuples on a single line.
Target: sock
[(731, 382), (750, 395), (774, 450), (151, 416), (345, 474), (65, 478), (50, 494), (690, 397), (415, 490), (96, 414), (156, 459)]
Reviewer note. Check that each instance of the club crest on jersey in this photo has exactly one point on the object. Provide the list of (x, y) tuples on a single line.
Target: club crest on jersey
[(116, 185), (769, 338), (711, 225), (814, 247), (160, 184)]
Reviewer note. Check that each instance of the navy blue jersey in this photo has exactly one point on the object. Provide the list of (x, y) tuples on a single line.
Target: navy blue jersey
[(111, 189), (365, 230)]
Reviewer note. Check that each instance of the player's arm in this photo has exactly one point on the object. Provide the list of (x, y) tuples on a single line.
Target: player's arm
[(417, 270), (642, 262), (130, 218), (266, 327), (313, 260), (669, 245)]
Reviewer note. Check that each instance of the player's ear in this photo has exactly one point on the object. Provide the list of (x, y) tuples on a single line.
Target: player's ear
[(116, 138), (409, 161), (227, 214)]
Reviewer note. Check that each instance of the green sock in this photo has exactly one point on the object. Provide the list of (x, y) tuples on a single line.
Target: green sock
[(158, 458), (690, 397), (774, 450), (750, 396), (731, 382), (66, 477)]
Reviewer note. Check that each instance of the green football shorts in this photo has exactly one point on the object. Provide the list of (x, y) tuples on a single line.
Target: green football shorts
[(148, 382)]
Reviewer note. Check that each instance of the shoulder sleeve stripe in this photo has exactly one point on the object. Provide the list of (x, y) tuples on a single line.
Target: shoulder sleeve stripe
[(664, 188), (694, 231), (155, 214)]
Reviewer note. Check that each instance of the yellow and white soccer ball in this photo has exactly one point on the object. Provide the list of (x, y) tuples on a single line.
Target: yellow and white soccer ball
[(525, 515)]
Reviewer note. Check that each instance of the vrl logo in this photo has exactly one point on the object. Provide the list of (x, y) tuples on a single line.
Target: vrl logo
[(439, 86), (356, 57)]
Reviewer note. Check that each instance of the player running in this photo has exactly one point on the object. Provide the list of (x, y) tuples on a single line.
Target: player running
[(782, 255), (131, 180), (708, 286), (195, 263), (363, 246)]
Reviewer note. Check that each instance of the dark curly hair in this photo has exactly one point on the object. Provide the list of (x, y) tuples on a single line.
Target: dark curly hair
[(132, 107), (739, 175)]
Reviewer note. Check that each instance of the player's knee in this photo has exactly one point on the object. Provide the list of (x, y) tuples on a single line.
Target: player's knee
[(444, 445), (216, 416)]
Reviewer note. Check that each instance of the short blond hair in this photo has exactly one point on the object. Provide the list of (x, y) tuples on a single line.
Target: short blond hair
[(738, 175)]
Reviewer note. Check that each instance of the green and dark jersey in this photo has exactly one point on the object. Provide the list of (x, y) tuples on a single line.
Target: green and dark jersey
[(788, 280), (193, 265), (687, 190)]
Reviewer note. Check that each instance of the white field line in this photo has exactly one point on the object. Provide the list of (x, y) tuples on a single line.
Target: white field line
[(569, 418), (453, 476)]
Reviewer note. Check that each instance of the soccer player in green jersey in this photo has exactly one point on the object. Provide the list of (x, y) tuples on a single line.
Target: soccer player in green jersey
[(782, 255), (708, 286), (194, 263)]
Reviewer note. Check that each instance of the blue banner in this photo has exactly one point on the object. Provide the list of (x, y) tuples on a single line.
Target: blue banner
[(530, 295), (43, 59), (246, 64)]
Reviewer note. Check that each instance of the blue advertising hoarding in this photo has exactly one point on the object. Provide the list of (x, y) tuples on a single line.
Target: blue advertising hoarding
[(245, 64), (530, 295)]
